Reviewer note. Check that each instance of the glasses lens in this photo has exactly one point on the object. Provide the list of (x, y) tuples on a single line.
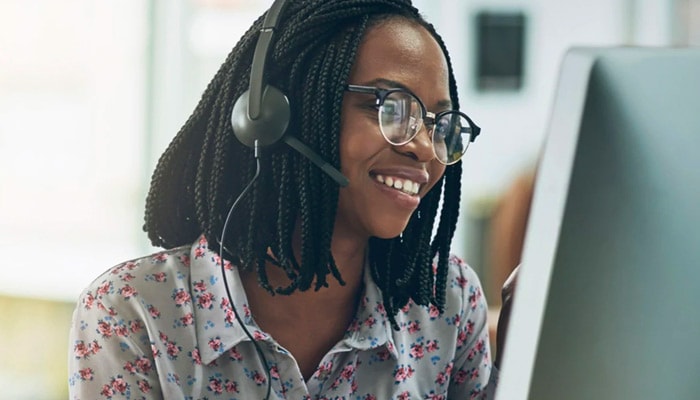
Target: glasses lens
[(400, 117), (451, 137)]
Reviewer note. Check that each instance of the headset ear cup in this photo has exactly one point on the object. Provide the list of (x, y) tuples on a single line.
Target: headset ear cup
[(269, 127)]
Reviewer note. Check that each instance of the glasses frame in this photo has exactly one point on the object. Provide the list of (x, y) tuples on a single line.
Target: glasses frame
[(428, 119)]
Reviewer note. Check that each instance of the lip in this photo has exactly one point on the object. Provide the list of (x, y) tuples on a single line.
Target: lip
[(419, 176)]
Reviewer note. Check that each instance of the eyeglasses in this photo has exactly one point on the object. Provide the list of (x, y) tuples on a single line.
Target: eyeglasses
[(401, 115)]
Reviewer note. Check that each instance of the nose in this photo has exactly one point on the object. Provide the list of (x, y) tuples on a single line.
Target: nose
[(421, 147)]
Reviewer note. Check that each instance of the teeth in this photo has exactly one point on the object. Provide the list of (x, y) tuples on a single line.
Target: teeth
[(405, 185)]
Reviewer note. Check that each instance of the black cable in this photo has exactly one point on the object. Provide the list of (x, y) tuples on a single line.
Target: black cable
[(223, 273)]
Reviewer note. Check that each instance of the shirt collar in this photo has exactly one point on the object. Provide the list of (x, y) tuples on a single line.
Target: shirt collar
[(217, 328), (216, 325), (371, 328)]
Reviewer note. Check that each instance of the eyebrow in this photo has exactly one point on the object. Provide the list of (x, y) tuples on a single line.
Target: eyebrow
[(389, 84)]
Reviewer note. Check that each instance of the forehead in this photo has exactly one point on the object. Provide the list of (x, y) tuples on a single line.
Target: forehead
[(403, 51)]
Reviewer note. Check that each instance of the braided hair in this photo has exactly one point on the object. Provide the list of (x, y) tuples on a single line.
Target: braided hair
[(205, 167)]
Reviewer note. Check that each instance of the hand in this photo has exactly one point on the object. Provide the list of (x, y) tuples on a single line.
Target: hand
[(507, 293)]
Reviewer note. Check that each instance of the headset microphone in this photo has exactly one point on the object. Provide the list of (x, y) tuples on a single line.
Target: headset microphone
[(261, 115)]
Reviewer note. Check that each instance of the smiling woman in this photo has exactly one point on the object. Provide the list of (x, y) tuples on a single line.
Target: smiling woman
[(313, 289)]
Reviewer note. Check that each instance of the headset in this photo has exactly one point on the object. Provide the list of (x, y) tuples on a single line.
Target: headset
[(260, 116)]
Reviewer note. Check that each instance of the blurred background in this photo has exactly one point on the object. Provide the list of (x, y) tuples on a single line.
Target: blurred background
[(91, 92)]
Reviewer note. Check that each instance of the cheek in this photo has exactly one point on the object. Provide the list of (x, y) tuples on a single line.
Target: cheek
[(436, 170)]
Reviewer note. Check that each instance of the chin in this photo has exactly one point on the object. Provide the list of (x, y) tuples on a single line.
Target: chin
[(389, 232)]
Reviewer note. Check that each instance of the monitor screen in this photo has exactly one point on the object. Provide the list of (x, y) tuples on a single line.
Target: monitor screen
[(607, 304)]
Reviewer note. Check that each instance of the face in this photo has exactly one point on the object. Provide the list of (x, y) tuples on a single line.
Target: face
[(395, 53)]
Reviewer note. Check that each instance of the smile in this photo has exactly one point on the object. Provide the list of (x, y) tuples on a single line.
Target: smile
[(404, 185)]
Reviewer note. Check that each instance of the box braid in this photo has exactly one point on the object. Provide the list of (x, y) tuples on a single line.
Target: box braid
[(204, 168)]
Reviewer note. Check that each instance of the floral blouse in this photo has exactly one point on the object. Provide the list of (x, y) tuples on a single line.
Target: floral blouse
[(161, 327)]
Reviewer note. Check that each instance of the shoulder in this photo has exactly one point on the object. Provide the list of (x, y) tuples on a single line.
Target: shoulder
[(463, 286), (131, 281)]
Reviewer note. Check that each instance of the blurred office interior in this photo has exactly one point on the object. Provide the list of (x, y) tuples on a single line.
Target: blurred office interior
[(91, 92)]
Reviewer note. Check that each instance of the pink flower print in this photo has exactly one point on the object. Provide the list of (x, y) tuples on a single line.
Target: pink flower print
[(127, 277), (380, 308), (181, 297), (404, 396), (121, 330), (119, 385), (246, 310), (417, 351), (95, 347), (407, 306), (162, 336), (370, 321), (155, 351), (159, 277), (474, 373), (198, 252), (471, 354), (433, 312), (470, 327), (159, 258), (235, 355), (107, 391), (130, 367), (135, 326), (435, 396), (129, 265), (347, 372), (173, 350), (402, 373), (144, 386), (441, 378), (200, 286), (196, 358), (143, 364), (215, 344), (258, 378), (88, 301), (203, 241), (481, 346), (104, 288), (462, 282), (461, 338), (431, 346), (474, 298), (383, 355), (460, 376), (231, 387), (187, 319), (215, 385), (229, 316), (155, 313), (205, 300), (127, 292), (413, 327), (104, 329), (257, 335), (185, 260), (86, 374), (274, 372), (369, 397)]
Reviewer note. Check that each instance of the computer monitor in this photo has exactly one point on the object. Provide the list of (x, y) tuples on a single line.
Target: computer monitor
[(607, 304)]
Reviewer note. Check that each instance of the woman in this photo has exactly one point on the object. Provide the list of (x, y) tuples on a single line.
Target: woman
[(371, 89)]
